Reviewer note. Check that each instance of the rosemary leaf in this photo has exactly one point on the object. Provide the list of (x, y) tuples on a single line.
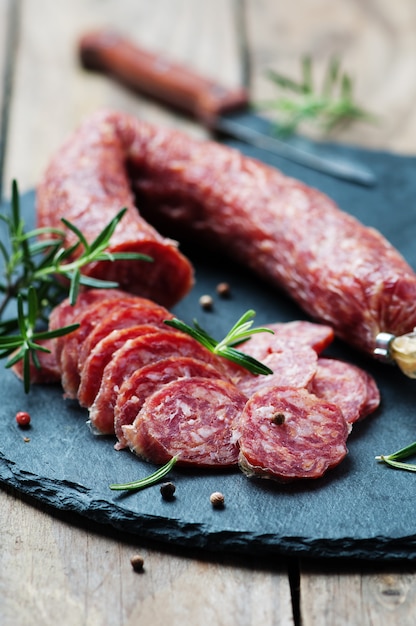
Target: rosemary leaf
[(148, 481), (394, 459), (240, 332)]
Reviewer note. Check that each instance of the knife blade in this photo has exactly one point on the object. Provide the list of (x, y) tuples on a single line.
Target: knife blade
[(219, 109)]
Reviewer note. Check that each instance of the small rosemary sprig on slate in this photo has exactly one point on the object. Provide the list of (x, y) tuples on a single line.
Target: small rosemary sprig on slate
[(331, 107), (395, 459), (148, 481), (32, 274), (239, 333)]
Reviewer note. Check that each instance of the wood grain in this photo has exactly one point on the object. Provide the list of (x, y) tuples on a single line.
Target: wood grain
[(375, 43), (362, 594), (85, 576)]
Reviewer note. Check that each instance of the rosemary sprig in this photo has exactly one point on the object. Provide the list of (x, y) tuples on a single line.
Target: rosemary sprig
[(239, 333), (24, 345), (331, 107), (148, 481), (395, 459), (33, 269)]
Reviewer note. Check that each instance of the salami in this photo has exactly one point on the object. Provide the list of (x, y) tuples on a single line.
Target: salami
[(339, 271), (142, 312), (92, 370), (135, 354), (89, 317), (66, 313), (288, 434), (146, 380), (296, 333), (87, 183), (192, 418), (348, 386), (292, 367)]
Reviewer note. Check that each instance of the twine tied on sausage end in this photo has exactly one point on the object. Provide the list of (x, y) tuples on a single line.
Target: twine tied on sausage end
[(400, 351)]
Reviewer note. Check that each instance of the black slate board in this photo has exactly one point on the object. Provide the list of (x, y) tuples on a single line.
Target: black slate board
[(362, 509)]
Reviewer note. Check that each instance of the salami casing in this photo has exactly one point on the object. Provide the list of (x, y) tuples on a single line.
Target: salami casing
[(192, 418)]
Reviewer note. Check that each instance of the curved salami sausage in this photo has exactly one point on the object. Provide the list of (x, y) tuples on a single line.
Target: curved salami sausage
[(339, 271), (135, 354), (148, 379), (87, 183), (193, 418), (288, 434), (347, 386)]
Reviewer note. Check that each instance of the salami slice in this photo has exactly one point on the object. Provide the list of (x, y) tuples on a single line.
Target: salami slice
[(347, 386), (192, 418), (66, 313), (145, 312), (92, 371), (135, 354), (288, 434), (88, 320), (87, 183), (298, 333), (146, 380), (292, 367)]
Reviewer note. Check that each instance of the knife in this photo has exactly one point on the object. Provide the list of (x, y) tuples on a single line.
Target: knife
[(218, 108)]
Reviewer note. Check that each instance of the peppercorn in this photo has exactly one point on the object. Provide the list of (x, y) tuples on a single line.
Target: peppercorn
[(217, 499), (23, 419), (278, 419), (223, 290), (206, 302), (167, 490), (137, 562)]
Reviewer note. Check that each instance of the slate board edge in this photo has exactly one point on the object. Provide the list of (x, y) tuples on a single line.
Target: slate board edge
[(193, 535)]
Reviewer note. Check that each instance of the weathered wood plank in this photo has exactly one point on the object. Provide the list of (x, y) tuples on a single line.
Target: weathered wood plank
[(375, 42), (84, 576), (53, 93), (8, 16), (363, 594)]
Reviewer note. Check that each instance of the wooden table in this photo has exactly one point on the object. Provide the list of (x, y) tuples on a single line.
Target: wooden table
[(56, 568)]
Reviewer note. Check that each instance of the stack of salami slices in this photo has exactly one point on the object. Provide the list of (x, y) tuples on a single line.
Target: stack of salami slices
[(163, 394)]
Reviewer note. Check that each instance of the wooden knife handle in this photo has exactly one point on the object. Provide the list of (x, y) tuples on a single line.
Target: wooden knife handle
[(155, 76)]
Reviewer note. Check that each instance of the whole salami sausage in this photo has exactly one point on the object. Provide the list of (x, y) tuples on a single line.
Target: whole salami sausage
[(87, 183), (339, 271)]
